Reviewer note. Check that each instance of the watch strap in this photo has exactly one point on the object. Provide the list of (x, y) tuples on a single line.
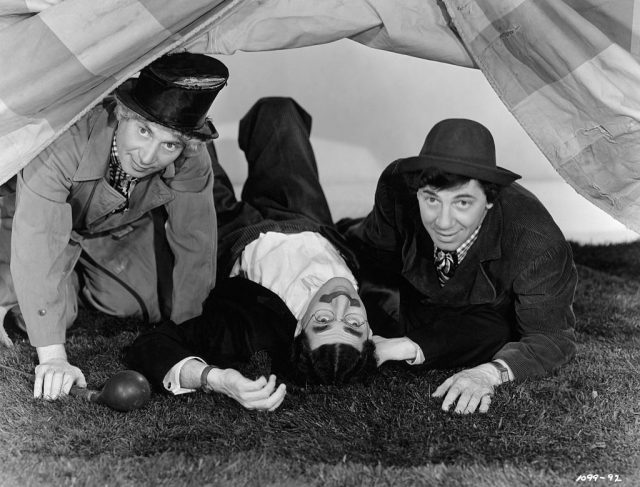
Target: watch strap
[(502, 370), (204, 385)]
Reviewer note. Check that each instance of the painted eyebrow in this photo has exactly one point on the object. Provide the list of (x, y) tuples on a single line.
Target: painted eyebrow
[(319, 328), (353, 332)]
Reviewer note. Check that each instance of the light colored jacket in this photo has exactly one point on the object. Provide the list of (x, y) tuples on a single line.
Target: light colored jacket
[(64, 205)]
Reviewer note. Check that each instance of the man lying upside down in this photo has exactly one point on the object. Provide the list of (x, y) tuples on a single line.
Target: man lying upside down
[(285, 286)]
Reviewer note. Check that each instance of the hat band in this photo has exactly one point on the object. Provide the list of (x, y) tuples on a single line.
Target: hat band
[(172, 106)]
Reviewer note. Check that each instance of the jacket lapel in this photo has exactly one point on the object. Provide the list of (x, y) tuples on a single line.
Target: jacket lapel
[(426, 270), (473, 269), (149, 193), (93, 167), (95, 160)]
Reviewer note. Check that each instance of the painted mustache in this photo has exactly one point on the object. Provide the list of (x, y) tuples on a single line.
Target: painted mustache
[(327, 298)]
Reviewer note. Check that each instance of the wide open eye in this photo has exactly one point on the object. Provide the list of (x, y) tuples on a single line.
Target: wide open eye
[(354, 320), (430, 200), (428, 197), (324, 316), (172, 146)]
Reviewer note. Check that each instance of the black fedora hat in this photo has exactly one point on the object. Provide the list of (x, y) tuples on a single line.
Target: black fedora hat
[(463, 147), (176, 91)]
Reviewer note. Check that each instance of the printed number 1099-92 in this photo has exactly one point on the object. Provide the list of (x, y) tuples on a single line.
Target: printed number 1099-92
[(594, 477)]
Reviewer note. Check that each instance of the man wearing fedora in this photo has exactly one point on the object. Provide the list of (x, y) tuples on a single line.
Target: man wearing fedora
[(465, 268), (119, 209)]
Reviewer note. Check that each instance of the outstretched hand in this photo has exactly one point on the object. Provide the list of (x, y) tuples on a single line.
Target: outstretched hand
[(469, 389), (260, 394)]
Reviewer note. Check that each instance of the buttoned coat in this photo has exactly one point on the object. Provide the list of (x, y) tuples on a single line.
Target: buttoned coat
[(520, 269), (65, 205)]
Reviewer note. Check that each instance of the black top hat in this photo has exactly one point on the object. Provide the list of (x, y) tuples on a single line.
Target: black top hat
[(463, 147), (177, 91)]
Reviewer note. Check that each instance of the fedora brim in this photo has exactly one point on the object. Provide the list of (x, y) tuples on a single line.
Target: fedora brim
[(123, 94), (496, 174)]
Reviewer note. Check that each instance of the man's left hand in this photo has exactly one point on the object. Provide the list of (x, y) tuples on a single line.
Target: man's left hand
[(469, 389), (393, 349)]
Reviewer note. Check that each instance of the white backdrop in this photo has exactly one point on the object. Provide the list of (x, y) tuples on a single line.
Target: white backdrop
[(370, 107)]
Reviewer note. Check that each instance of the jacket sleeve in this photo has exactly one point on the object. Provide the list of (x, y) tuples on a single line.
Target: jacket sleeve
[(155, 352), (192, 235), (239, 318), (544, 291), (42, 255), (376, 238)]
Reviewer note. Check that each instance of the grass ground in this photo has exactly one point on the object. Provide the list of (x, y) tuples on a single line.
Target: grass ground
[(583, 421)]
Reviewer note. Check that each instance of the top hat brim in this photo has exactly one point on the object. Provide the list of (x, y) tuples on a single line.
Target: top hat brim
[(496, 174), (124, 95)]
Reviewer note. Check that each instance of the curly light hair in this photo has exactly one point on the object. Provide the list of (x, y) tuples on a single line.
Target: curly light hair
[(193, 144)]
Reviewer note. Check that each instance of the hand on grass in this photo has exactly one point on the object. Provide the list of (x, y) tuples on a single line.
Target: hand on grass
[(260, 394), (54, 378), (470, 388)]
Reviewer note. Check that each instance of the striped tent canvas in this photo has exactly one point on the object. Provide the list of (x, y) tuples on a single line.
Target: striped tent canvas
[(569, 72), (567, 69)]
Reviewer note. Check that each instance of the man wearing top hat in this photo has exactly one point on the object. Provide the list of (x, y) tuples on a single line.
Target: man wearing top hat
[(483, 277), (120, 210)]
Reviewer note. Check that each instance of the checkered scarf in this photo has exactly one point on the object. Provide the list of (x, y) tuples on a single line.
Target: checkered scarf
[(446, 262), (119, 180)]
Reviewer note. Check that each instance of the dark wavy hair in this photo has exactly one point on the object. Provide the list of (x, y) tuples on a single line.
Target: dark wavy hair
[(332, 364), (439, 179)]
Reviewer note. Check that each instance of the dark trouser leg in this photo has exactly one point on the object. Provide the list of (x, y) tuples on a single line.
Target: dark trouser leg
[(283, 175), (381, 297), (232, 214), (164, 261)]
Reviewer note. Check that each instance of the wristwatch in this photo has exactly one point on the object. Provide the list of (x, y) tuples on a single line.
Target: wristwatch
[(204, 385), (502, 370)]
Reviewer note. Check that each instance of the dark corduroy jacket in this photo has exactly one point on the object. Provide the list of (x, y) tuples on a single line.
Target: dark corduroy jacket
[(521, 265)]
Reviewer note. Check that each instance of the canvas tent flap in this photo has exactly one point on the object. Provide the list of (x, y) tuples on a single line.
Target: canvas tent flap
[(567, 69), (59, 63), (413, 27), (569, 72), (13, 11)]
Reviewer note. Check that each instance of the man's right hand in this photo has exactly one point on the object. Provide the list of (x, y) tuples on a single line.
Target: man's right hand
[(55, 375), (260, 394)]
